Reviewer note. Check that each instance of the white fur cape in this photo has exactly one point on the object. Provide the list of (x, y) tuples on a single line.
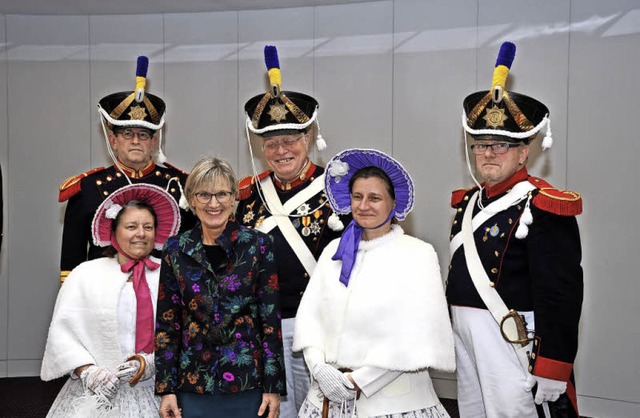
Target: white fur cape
[(84, 327), (393, 314)]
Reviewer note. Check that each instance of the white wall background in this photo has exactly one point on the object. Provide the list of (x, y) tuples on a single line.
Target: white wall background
[(389, 75)]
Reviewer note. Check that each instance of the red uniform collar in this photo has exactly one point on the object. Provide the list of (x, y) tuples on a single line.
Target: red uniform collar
[(503, 187), (307, 172), (138, 174)]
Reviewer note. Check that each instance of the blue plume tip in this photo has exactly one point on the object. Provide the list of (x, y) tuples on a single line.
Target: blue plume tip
[(271, 57), (143, 66), (506, 55)]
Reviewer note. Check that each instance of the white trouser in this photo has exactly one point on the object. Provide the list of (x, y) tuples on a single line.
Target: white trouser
[(296, 373), (491, 382)]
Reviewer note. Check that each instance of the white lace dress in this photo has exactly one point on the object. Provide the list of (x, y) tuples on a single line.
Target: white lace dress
[(346, 410)]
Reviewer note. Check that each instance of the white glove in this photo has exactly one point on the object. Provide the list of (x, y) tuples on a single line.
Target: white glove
[(100, 381), (549, 390), (333, 383), (128, 369)]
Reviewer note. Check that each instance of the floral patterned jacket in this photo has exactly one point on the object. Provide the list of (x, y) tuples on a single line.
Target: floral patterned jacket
[(218, 328)]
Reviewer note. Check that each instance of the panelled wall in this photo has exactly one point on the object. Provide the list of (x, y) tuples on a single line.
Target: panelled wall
[(389, 75)]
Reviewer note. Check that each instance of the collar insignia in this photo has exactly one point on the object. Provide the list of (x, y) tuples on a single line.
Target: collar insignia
[(495, 117)]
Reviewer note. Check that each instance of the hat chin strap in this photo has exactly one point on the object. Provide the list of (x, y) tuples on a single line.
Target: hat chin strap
[(113, 157)]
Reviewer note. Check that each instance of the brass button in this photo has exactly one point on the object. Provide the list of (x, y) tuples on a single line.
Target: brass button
[(167, 176), (306, 274), (98, 182), (301, 293), (492, 284), (466, 198), (109, 178), (158, 173), (530, 368), (459, 209), (533, 355), (173, 190), (118, 174), (494, 270), (497, 254), (106, 193), (450, 267)]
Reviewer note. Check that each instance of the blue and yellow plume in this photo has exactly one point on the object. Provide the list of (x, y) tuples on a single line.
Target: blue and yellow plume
[(273, 69), (501, 71), (141, 77)]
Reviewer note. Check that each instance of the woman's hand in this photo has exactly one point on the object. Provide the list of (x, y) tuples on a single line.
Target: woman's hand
[(272, 401), (169, 407), (99, 380)]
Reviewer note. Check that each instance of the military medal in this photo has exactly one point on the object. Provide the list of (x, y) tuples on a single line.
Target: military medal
[(494, 231), (248, 217), (259, 222), (305, 222), (296, 223), (315, 225), (303, 209)]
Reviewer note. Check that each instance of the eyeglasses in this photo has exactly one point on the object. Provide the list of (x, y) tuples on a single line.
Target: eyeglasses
[(205, 197), (129, 134), (273, 144), (497, 148)]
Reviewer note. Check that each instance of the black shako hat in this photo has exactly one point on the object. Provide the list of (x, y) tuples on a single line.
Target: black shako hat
[(497, 112), (134, 108), (279, 112)]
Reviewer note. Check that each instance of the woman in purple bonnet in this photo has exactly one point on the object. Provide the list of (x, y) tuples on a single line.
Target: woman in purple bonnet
[(218, 338), (373, 320)]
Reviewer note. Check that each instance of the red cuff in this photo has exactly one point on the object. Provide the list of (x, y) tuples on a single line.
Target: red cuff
[(552, 369)]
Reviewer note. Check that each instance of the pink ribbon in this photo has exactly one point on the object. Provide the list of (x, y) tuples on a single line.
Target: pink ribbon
[(145, 327), (144, 307)]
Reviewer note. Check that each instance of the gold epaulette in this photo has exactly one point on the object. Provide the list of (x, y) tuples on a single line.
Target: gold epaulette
[(63, 275), (457, 196), (246, 183), (71, 186), (166, 164), (559, 202)]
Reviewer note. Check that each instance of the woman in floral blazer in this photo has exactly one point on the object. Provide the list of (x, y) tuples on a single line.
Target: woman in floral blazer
[(218, 338)]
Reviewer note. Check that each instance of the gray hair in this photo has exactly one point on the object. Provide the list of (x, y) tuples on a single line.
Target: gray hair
[(206, 173)]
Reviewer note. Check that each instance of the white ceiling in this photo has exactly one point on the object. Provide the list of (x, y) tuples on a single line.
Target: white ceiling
[(102, 7)]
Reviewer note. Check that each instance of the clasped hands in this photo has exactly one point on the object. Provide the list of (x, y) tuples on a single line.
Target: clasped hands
[(105, 383)]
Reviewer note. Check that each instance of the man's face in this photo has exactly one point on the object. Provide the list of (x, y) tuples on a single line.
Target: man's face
[(286, 155), (495, 168), (132, 150)]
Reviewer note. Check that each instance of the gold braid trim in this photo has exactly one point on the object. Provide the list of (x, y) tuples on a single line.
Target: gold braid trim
[(153, 113), (517, 114), (473, 116), (119, 110), (255, 118), (299, 114)]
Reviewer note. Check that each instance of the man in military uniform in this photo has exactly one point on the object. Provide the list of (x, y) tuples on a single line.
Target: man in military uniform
[(288, 202), (134, 120), (515, 283)]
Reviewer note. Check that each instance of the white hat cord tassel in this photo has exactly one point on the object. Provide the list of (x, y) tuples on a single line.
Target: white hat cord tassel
[(161, 159), (321, 144), (182, 202), (526, 219), (547, 142)]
